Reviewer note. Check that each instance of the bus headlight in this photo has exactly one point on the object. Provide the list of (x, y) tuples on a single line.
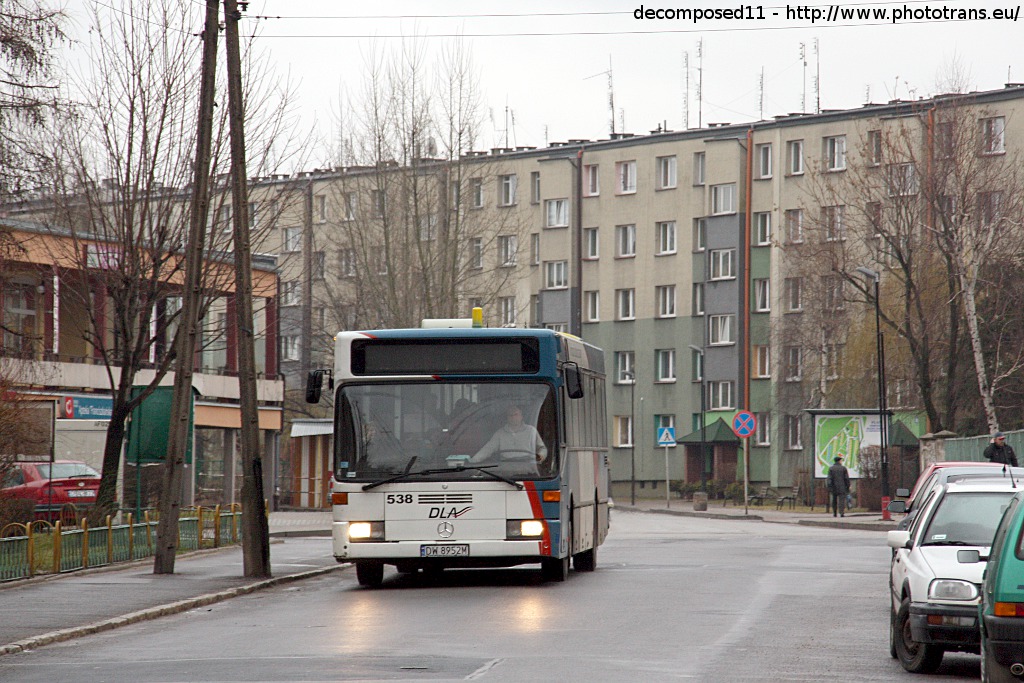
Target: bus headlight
[(523, 528), (366, 531), (952, 589)]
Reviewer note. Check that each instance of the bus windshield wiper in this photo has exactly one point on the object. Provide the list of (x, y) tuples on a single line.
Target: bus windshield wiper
[(948, 543), (442, 470)]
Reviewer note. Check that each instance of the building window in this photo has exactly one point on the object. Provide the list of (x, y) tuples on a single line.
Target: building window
[(700, 234), (292, 239), (254, 215), (476, 192), (664, 422), (833, 291), (625, 241), (699, 168), (347, 262), (624, 361), (832, 219), (666, 236), (835, 153), (696, 365), (874, 149), (319, 265), (763, 229), (556, 274), (454, 195), (625, 171), (720, 329), (507, 247), (349, 204), (793, 293), (945, 140), (377, 201), (535, 249), (557, 213), (763, 432), (903, 180), (723, 199), (762, 361), (535, 187), (723, 264), (665, 299), (625, 304), (793, 371), (993, 135), (794, 226), (382, 263), (591, 243), (795, 155), (476, 253), (762, 296), (290, 347), (320, 208), (698, 299), (592, 305), (291, 293), (794, 438), (665, 360), (623, 431), (990, 207), (591, 181), (507, 310), (763, 155), (666, 170), (831, 360), (428, 228), (720, 395), (507, 190)]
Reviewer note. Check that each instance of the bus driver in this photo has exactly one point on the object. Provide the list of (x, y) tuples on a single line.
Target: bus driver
[(515, 440)]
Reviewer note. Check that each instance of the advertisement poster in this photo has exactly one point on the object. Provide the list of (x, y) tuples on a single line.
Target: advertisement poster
[(843, 435)]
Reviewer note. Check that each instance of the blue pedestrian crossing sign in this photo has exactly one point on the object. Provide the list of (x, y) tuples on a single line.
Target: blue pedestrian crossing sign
[(666, 436), (743, 424)]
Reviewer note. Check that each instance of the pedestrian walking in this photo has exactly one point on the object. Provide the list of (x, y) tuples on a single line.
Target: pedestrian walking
[(838, 486), (1000, 451)]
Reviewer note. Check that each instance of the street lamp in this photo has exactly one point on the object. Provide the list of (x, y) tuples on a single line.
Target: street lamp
[(631, 378), (880, 352), (703, 425)]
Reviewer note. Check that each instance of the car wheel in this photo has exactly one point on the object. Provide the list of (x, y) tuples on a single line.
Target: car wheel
[(892, 632), (915, 657), (991, 670), (370, 573)]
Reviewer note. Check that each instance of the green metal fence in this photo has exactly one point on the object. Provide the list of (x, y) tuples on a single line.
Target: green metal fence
[(39, 548)]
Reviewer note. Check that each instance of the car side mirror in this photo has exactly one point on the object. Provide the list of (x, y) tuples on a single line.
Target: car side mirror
[(969, 556), (898, 539), (573, 380), (898, 506), (902, 493)]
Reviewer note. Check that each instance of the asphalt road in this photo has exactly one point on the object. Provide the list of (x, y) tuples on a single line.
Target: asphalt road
[(674, 598)]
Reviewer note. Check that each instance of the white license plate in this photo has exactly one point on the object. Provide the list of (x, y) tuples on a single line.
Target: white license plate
[(449, 550), (84, 493)]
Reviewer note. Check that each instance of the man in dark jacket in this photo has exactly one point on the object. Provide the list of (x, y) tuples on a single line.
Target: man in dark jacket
[(1000, 451), (838, 486)]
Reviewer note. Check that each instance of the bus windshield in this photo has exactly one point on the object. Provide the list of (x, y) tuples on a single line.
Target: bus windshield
[(449, 428)]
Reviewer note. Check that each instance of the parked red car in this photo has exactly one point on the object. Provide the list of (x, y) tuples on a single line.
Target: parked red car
[(51, 486)]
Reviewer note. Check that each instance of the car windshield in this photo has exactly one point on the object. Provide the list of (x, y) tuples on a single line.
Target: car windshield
[(67, 470), (442, 430), (966, 518)]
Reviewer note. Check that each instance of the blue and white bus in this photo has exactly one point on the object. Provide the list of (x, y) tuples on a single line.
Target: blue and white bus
[(434, 469)]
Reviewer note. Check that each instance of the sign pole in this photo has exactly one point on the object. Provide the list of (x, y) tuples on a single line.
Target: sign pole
[(668, 492), (744, 423), (746, 473)]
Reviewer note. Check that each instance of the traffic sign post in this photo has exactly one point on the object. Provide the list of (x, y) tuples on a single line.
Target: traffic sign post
[(743, 425), (667, 438)]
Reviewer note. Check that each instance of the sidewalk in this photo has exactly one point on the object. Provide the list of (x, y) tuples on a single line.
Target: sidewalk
[(51, 609)]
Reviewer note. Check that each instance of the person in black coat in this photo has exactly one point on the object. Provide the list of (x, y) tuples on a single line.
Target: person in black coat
[(1000, 451), (838, 486)]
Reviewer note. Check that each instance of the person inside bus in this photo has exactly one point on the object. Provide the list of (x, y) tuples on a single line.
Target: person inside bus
[(515, 440)]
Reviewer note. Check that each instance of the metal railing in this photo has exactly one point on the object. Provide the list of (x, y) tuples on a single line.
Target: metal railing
[(40, 547)]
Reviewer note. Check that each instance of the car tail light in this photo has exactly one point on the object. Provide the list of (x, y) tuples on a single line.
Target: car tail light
[(1008, 609)]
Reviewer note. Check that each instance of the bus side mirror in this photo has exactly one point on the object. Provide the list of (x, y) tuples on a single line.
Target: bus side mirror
[(573, 380), (315, 383)]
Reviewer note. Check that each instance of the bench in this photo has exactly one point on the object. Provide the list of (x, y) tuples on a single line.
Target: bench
[(790, 498)]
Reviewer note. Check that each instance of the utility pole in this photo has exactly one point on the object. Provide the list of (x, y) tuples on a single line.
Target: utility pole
[(255, 533), (185, 340)]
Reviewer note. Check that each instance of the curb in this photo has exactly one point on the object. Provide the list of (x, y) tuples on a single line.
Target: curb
[(158, 611), (860, 526), (689, 513)]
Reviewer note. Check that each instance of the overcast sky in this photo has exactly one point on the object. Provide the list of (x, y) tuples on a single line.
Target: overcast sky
[(547, 61)]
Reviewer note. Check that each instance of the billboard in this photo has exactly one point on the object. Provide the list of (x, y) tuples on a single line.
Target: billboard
[(844, 435)]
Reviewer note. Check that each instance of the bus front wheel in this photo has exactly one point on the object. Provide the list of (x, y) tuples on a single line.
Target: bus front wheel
[(555, 569), (587, 560), (370, 573)]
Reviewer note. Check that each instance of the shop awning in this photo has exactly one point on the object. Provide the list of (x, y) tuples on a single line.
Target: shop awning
[(716, 432), (311, 427)]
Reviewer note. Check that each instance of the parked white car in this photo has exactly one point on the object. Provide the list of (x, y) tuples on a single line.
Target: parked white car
[(935, 594)]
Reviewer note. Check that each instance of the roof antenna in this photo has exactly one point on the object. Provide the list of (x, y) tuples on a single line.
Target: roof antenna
[(1009, 470)]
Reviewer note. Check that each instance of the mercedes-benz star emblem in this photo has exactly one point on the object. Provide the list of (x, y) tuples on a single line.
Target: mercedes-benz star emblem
[(445, 530)]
